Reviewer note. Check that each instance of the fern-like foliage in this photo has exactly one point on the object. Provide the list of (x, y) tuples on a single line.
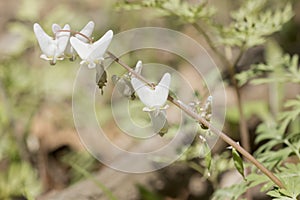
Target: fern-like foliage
[(251, 24), (186, 12), (233, 192), (277, 134), (279, 68), (289, 174)]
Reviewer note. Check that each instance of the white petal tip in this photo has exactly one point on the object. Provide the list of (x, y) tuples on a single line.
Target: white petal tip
[(91, 23), (109, 33)]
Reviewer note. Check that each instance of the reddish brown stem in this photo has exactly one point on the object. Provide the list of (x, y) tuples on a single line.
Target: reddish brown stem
[(76, 33), (213, 129)]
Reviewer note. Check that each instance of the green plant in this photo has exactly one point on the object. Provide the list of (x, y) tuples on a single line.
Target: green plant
[(251, 25)]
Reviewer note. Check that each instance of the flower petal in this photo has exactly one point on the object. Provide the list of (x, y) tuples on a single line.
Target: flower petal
[(99, 47), (138, 67), (63, 39), (92, 52), (83, 49), (158, 119), (55, 28), (87, 31), (44, 40), (153, 98)]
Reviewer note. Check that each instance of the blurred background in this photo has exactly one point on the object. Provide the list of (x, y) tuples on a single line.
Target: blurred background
[(40, 153)]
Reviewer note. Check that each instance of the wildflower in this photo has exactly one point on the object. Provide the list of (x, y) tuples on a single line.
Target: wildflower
[(86, 31), (52, 48), (124, 85), (138, 68), (154, 98), (155, 101), (92, 54)]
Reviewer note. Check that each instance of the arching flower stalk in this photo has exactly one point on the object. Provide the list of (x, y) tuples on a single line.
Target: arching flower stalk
[(154, 97), (203, 121), (86, 31)]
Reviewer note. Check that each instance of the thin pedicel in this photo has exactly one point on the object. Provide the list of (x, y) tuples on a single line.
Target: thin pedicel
[(204, 122)]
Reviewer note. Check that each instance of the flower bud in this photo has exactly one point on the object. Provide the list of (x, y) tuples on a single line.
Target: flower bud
[(207, 111), (101, 77)]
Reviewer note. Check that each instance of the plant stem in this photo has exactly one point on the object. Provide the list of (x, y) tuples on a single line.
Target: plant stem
[(243, 122), (196, 167), (211, 44), (245, 140), (201, 120), (244, 133)]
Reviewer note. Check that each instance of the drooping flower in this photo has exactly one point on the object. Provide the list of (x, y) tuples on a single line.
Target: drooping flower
[(159, 121), (155, 101), (153, 98), (123, 83), (101, 76), (86, 31), (52, 48), (92, 54)]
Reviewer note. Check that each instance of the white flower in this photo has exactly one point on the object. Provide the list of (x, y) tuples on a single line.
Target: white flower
[(138, 68), (87, 31), (153, 98), (155, 101), (52, 48), (92, 54), (124, 85)]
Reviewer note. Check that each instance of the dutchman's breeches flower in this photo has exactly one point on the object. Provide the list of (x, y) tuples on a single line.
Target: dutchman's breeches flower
[(85, 33), (92, 54), (155, 100), (52, 48)]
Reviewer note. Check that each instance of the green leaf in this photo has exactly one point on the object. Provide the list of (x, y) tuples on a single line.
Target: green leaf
[(290, 174), (186, 12), (208, 156), (256, 179), (279, 68), (252, 23), (272, 159), (238, 162), (233, 192), (19, 179)]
